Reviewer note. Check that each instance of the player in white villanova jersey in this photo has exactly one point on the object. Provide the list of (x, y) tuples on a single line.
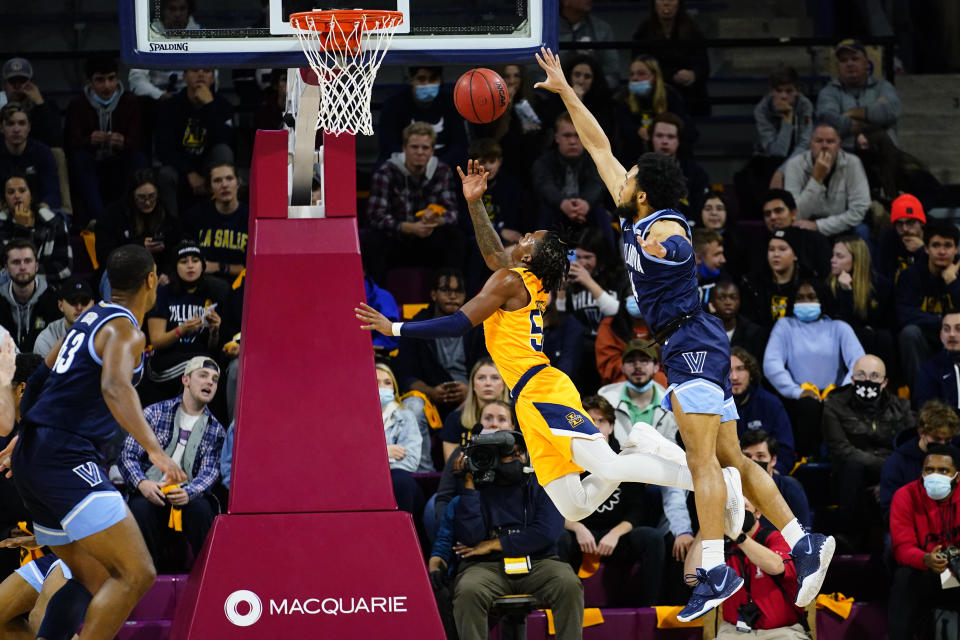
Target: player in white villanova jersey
[(696, 355), (87, 389)]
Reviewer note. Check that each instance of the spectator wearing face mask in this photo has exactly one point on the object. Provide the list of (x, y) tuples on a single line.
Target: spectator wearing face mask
[(613, 334), (808, 355), (924, 529), (859, 424), (762, 448), (423, 101)]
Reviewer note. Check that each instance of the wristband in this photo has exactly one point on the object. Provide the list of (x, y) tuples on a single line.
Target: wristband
[(740, 538), (176, 330), (395, 328)]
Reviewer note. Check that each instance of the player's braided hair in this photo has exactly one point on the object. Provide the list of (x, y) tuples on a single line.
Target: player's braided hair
[(549, 262), (662, 180)]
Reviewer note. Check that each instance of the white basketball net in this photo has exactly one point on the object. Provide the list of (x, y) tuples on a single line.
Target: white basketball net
[(346, 77)]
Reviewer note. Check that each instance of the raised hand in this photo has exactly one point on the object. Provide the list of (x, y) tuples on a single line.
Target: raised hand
[(172, 473), (474, 180), (375, 321), (550, 63)]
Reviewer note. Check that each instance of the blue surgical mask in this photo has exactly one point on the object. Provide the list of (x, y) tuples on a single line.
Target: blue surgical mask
[(640, 87), (806, 311), (386, 396), (427, 92), (706, 272), (633, 308), (101, 100), (937, 485), (640, 388)]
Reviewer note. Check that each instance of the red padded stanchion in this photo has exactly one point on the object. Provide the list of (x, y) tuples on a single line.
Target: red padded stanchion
[(312, 523)]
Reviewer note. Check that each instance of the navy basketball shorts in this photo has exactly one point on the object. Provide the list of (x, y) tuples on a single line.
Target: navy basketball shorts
[(696, 359), (64, 486), (36, 571)]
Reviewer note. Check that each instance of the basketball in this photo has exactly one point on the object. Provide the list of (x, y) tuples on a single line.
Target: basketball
[(481, 95)]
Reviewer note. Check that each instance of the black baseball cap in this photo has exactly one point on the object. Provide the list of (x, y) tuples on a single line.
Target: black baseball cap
[(75, 289)]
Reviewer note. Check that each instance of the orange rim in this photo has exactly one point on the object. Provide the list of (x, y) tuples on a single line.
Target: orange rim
[(345, 38)]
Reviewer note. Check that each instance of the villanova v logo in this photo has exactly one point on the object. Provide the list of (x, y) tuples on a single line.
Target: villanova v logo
[(695, 360), (90, 473)]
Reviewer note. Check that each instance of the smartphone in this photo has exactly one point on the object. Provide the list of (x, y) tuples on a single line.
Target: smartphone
[(572, 256)]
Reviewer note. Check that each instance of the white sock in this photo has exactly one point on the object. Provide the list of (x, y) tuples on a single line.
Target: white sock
[(712, 554), (793, 532)]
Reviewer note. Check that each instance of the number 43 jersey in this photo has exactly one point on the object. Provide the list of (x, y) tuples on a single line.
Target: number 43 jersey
[(71, 398)]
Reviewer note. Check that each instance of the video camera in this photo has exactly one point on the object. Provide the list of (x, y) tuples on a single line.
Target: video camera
[(484, 451), (953, 560)]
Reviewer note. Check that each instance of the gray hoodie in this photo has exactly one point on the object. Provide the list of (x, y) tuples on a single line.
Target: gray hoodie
[(22, 311)]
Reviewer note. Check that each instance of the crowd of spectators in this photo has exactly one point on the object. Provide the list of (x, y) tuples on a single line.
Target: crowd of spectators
[(837, 292)]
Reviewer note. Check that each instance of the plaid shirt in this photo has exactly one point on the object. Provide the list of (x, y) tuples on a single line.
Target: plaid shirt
[(160, 416), (395, 197)]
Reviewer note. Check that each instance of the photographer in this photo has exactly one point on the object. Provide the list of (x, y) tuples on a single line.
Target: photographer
[(764, 607), (925, 532), (504, 532)]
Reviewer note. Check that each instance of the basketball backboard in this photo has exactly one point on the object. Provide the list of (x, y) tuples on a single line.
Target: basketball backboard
[(245, 35)]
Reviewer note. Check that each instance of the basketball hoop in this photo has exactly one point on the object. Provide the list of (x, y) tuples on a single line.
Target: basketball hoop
[(345, 49)]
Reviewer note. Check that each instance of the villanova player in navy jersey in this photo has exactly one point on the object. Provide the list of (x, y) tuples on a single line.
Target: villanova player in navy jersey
[(87, 389), (696, 354)]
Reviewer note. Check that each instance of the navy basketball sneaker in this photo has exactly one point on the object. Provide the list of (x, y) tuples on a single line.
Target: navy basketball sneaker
[(713, 587), (812, 555)]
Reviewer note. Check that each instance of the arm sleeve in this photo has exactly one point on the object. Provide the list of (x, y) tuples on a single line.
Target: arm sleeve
[(858, 199), (678, 249), (775, 365), (454, 325), (903, 532)]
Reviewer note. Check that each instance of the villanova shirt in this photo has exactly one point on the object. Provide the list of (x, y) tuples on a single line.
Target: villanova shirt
[(664, 289), (71, 399)]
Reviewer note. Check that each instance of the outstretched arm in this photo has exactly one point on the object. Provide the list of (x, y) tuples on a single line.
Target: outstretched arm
[(474, 185), (121, 344), (502, 285), (591, 134)]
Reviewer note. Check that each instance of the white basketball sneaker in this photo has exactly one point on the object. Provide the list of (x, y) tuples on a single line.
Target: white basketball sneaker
[(733, 510), (644, 438)]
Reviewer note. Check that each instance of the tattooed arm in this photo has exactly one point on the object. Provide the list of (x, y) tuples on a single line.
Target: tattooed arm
[(474, 184)]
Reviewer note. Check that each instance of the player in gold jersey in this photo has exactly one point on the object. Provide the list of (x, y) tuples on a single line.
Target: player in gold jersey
[(561, 439)]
